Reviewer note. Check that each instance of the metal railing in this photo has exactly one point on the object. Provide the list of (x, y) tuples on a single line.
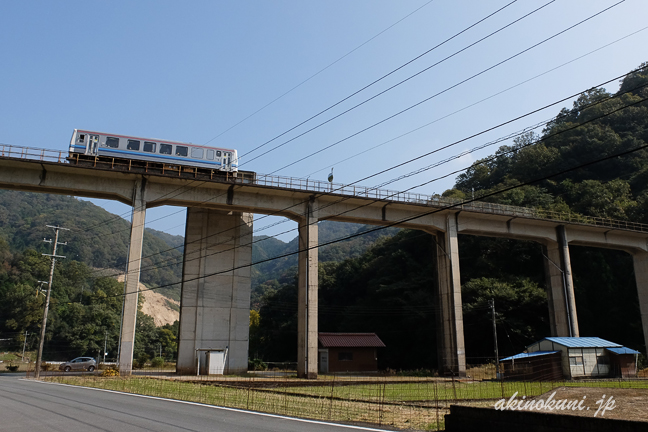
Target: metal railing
[(31, 153), (318, 186)]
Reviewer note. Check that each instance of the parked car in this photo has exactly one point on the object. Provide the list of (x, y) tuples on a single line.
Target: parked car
[(79, 363)]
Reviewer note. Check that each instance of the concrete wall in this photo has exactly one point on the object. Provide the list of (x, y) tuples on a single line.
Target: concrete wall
[(215, 303)]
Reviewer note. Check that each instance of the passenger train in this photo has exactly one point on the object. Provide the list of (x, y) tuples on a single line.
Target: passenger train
[(90, 144)]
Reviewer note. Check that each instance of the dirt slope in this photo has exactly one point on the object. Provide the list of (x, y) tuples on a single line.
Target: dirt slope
[(157, 305)]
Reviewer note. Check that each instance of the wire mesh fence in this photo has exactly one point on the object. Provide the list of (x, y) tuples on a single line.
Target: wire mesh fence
[(395, 401)]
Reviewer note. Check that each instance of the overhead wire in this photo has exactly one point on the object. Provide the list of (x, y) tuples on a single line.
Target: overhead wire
[(158, 265), (374, 82), (391, 87), (462, 154), (484, 99), (319, 72), (442, 91), (399, 222)]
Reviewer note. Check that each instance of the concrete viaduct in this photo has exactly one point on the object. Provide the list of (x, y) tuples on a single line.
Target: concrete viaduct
[(216, 281)]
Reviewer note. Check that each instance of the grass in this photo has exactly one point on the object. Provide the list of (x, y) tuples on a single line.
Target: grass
[(402, 416), (419, 404)]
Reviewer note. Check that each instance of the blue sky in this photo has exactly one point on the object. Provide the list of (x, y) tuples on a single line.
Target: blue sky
[(192, 71)]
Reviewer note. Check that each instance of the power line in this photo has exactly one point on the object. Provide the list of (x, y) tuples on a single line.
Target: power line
[(312, 154), (393, 86), (320, 71), (158, 266), (444, 91), (418, 171), (448, 207)]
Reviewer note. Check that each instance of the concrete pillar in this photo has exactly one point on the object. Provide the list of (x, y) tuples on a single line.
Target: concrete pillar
[(450, 335), (640, 261), (216, 284), (556, 290), (131, 280), (565, 262), (307, 293)]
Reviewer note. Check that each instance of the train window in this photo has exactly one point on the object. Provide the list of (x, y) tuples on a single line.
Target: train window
[(81, 138), (112, 142), (218, 153), (166, 148), (182, 151), (133, 145), (197, 153), (210, 154), (149, 147)]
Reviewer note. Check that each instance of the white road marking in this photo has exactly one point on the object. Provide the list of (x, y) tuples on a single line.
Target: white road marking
[(215, 407)]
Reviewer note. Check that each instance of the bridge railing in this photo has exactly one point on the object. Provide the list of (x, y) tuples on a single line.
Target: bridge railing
[(442, 202), (32, 153), (310, 185)]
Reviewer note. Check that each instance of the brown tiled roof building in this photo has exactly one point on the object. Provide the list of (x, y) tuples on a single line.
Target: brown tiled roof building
[(348, 352)]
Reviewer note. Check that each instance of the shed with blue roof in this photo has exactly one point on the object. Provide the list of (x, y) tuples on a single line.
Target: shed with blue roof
[(582, 357)]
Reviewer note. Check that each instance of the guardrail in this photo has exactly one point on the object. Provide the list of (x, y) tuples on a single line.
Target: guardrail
[(309, 185), (32, 153)]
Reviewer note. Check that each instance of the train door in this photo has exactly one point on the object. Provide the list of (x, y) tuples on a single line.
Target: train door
[(93, 144), (226, 161)]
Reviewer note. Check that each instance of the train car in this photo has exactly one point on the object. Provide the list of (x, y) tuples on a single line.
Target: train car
[(91, 145)]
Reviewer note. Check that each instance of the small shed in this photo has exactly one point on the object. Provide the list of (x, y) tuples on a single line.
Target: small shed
[(583, 357), (623, 362), (348, 352), (534, 366)]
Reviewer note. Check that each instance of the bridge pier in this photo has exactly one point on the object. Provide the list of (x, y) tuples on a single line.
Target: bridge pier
[(215, 302), (555, 279), (451, 349), (131, 280), (307, 290), (640, 261)]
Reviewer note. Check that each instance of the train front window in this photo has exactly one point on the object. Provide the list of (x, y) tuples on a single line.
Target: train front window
[(133, 145), (166, 149), (82, 138), (182, 151), (197, 153), (218, 153), (112, 142), (149, 147)]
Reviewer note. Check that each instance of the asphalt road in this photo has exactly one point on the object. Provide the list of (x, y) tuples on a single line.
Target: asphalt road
[(28, 405)]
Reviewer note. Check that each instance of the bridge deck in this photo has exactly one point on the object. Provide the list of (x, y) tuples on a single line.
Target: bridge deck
[(322, 187)]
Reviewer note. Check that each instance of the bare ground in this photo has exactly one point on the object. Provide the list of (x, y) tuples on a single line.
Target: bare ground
[(629, 404), (156, 305)]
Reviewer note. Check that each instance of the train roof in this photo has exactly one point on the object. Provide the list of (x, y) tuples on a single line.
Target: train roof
[(151, 139)]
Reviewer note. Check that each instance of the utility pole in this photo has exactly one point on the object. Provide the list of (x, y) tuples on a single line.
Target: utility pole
[(497, 368), (39, 357), (24, 345)]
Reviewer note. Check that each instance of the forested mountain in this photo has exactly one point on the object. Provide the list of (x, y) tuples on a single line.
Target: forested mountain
[(96, 237), (389, 289)]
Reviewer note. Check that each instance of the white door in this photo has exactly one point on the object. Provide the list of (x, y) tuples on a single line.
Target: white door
[(216, 362), (323, 362)]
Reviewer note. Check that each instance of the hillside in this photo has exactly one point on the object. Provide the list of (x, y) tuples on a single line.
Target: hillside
[(96, 237), (390, 288)]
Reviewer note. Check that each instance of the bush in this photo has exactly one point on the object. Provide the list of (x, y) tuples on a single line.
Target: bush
[(12, 368), (111, 372), (157, 362), (257, 365), (140, 362), (45, 366)]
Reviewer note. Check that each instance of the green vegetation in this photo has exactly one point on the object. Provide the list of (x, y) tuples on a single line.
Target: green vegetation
[(84, 312)]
